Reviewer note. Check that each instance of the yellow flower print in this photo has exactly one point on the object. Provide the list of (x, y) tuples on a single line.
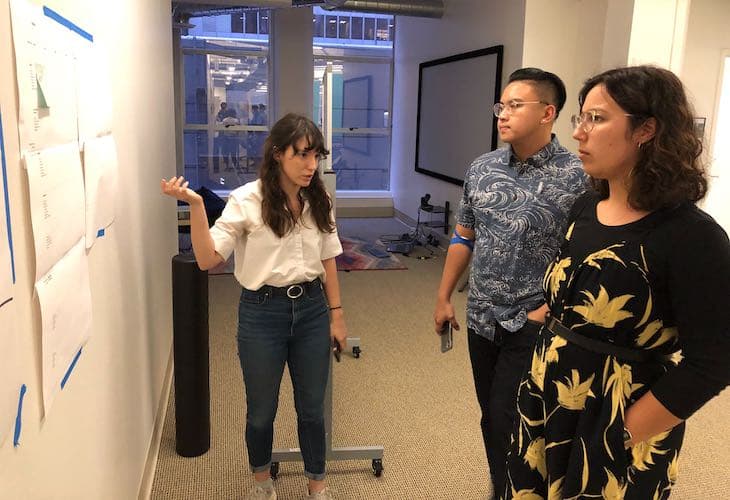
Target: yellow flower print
[(618, 381), (535, 456), (569, 233), (537, 369), (657, 326), (673, 469), (642, 452), (602, 310), (555, 276), (647, 311), (551, 356), (573, 395), (666, 335), (649, 331), (526, 495), (614, 489), (657, 493), (606, 253), (556, 490)]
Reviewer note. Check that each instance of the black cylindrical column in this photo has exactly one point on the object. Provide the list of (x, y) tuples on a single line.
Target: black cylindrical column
[(190, 347)]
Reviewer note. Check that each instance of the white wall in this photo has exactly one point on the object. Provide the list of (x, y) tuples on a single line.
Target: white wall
[(94, 442), (658, 32), (617, 33), (707, 37), (466, 25), (567, 48)]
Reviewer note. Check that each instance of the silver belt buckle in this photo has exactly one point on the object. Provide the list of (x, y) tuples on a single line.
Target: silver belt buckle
[(295, 291)]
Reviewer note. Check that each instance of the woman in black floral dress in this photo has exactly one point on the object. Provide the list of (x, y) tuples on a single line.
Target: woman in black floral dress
[(643, 273)]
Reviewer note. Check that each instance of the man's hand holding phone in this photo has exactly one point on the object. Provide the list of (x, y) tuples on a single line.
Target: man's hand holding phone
[(336, 349), (447, 336)]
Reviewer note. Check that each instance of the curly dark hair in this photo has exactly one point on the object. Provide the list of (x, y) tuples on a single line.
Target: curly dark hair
[(287, 132), (669, 170)]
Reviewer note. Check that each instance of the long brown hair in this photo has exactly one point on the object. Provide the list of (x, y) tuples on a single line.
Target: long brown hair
[(287, 132), (669, 170)]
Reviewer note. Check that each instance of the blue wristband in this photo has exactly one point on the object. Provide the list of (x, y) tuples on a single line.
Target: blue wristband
[(458, 239)]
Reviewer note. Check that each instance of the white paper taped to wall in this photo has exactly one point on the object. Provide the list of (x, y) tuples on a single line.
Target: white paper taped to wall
[(57, 205), (100, 181), (65, 299), (45, 57)]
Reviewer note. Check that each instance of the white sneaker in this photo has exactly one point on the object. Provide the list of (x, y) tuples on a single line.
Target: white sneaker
[(325, 494), (262, 491)]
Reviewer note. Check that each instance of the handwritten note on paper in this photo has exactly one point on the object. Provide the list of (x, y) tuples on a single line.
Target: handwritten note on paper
[(45, 57), (57, 205), (65, 300)]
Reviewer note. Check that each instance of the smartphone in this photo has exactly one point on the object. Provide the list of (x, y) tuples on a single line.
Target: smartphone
[(447, 337), (336, 350)]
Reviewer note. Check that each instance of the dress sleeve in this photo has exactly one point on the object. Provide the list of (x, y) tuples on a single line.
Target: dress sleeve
[(699, 285)]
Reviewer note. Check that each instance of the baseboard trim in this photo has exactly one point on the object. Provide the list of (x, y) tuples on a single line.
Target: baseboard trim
[(150, 466)]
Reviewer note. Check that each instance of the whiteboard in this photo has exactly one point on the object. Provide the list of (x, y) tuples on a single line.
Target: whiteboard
[(455, 122)]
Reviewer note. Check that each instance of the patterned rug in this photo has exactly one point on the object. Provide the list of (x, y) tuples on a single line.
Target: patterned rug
[(358, 256)]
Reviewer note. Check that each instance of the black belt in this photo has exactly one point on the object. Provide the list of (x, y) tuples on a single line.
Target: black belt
[(625, 353), (292, 291)]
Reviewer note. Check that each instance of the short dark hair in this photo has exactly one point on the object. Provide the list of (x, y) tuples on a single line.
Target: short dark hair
[(669, 170), (548, 84)]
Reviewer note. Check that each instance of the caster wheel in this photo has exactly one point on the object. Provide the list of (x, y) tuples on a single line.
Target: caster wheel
[(274, 470), (356, 351), (377, 467)]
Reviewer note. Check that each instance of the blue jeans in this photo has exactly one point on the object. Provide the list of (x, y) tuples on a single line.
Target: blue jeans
[(274, 329)]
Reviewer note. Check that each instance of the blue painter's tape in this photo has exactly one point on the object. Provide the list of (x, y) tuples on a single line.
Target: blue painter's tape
[(18, 417), (100, 233), (7, 198), (65, 22), (70, 369)]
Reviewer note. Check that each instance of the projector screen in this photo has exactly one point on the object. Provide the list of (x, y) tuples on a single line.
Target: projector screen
[(455, 121)]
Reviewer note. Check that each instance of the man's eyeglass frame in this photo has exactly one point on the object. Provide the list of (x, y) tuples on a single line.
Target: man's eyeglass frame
[(512, 106)]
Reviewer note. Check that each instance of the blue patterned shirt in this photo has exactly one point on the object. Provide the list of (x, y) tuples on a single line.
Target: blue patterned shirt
[(519, 212)]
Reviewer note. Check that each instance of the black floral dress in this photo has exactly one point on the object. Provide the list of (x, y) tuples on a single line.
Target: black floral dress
[(612, 284)]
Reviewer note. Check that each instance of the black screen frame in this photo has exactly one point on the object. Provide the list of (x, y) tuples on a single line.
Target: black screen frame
[(489, 54)]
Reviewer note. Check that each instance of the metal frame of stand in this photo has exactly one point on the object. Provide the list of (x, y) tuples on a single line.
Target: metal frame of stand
[(374, 453)]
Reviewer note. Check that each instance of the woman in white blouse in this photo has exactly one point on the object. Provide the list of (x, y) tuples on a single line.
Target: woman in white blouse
[(282, 231)]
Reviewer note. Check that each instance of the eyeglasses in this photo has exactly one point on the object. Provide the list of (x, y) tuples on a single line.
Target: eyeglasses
[(588, 120), (512, 106)]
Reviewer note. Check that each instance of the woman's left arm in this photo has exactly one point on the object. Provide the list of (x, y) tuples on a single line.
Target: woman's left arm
[(338, 330), (698, 280), (648, 417)]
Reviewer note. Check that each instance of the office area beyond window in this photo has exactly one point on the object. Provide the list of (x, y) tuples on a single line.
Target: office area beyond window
[(225, 73), (225, 78), (360, 48)]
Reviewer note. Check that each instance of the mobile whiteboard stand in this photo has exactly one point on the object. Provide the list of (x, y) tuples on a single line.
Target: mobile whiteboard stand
[(374, 453)]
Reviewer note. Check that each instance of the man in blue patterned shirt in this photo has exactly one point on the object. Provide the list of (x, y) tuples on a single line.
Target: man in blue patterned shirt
[(512, 216)]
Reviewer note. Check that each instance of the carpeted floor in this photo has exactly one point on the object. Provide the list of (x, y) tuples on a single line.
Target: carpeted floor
[(402, 393)]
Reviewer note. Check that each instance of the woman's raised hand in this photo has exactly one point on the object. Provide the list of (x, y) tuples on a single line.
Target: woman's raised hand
[(177, 187)]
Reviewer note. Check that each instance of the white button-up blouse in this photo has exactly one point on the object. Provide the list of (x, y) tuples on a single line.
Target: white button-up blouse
[(261, 257)]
